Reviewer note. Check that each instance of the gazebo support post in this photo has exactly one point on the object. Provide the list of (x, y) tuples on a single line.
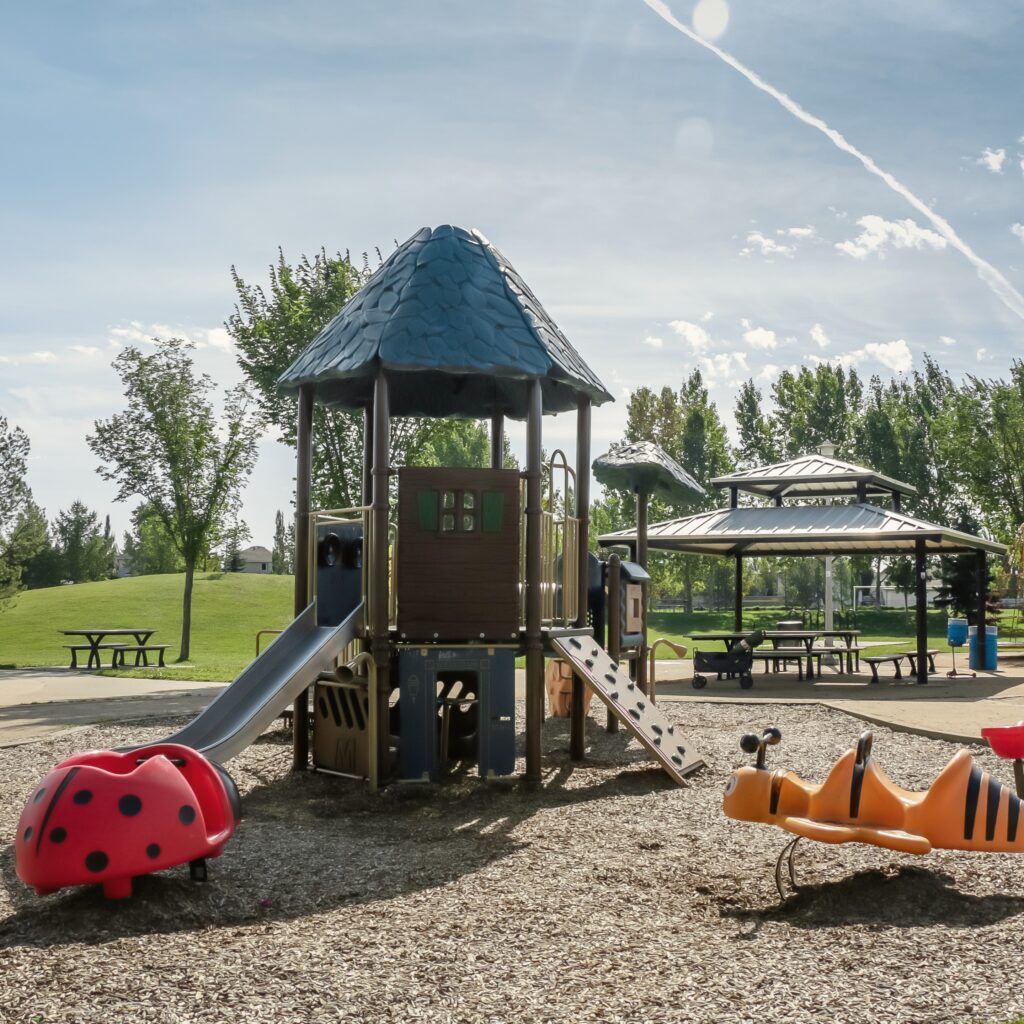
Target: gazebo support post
[(534, 639), (303, 488), (981, 569), (641, 557), (921, 598), (497, 440), (737, 620), (577, 711), (380, 643)]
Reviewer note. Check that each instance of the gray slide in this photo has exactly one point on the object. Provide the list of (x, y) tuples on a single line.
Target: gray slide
[(267, 686)]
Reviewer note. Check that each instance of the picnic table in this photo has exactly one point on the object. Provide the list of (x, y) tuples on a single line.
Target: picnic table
[(805, 637), (95, 644)]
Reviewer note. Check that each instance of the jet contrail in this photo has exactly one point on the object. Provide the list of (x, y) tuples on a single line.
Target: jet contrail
[(1002, 288)]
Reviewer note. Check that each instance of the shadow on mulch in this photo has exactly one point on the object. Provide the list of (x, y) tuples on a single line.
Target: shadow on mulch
[(909, 897), (309, 844)]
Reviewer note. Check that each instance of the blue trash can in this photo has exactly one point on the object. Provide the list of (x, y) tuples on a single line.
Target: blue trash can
[(991, 648), (956, 632)]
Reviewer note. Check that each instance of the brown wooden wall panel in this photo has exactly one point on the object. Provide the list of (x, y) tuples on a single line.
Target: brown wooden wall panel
[(460, 584)]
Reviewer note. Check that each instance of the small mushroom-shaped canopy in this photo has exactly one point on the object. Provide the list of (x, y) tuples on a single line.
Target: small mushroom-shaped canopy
[(644, 468)]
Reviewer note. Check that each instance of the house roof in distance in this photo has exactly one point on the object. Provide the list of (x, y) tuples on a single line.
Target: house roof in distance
[(812, 476), (458, 331), (643, 467), (803, 530)]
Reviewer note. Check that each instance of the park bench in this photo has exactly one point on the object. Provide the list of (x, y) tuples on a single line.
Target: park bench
[(140, 651), (93, 653), (874, 660), (783, 655), (841, 651)]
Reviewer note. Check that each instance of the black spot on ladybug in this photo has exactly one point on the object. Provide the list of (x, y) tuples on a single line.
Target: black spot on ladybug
[(153, 851), (83, 796), (39, 795), (186, 814), (58, 835), (97, 861), (129, 805), (28, 833)]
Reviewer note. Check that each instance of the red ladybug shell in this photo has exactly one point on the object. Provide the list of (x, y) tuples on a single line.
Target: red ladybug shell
[(105, 817)]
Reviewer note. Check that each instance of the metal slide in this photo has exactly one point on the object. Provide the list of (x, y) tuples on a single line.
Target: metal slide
[(267, 686), (630, 706)]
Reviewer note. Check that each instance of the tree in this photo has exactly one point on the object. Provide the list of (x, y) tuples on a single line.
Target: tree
[(87, 552), (757, 444), (233, 537), (43, 567), (149, 549), (958, 592), (14, 501), (168, 448), (282, 555)]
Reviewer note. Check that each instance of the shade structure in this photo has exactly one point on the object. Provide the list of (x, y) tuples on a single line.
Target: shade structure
[(644, 468), (813, 476), (804, 530), (458, 332)]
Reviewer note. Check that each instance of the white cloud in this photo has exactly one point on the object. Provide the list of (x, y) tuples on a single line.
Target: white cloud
[(707, 316), (85, 350), (768, 372), (761, 245), (981, 354), (805, 232), (654, 342), (878, 233), (819, 336), (137, 333), (1022, 165), (693, 334), (947, 340), (1017, 229), (760, 338), (992, 159), (728, 368), (895, 355), (42, 357)]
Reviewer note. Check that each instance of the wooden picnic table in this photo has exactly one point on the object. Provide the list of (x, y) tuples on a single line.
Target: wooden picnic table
[(95, 638)]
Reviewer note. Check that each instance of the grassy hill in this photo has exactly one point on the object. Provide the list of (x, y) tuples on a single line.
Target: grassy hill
[(227, 610)]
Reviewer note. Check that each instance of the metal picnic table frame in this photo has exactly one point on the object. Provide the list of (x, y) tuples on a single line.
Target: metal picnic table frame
[(95, 637)]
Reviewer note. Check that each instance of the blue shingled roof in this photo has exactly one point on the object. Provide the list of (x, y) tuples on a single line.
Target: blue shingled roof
[(458, 330), (644, 467)]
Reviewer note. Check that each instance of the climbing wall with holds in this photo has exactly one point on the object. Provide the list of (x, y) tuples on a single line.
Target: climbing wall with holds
[(631, 706)]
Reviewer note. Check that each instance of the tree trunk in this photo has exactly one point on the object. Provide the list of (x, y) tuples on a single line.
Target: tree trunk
[(186, 610), (687, 588), (878, 582)]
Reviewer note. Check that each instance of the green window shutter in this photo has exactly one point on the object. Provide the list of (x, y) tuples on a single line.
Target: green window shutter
[(493, 509), (426, 509)]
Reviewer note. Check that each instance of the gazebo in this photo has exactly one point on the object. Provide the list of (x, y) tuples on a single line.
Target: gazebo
[(445, 328), (860, 527)]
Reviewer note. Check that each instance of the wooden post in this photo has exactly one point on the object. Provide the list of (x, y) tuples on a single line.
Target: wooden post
[(921, 597), (897, 501), (534, 639), (981, 568), (737, 618), (734, 497), (614, 622), (641, 557), (497, 440), (303, 487), (380, 641), (577, 712)]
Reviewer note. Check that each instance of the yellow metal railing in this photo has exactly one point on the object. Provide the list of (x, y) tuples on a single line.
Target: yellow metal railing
[(559, 545)]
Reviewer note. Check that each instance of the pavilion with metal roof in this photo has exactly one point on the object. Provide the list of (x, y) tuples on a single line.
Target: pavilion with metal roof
[(858, 528)]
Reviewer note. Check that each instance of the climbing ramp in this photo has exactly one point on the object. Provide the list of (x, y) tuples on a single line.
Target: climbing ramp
[(630, 706)]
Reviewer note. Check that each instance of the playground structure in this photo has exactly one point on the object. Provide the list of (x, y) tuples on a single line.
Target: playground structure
[(965, 808), (409, 615)]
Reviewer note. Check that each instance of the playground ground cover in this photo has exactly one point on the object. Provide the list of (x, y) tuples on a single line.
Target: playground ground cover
[(607, 895)]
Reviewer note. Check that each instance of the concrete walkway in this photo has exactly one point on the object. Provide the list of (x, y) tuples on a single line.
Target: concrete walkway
[(41, 702)]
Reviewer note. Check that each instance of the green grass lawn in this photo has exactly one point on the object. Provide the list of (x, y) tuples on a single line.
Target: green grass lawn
[(227, 610)]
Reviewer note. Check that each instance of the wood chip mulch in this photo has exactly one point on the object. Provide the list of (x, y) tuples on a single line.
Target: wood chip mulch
[(608, 895)]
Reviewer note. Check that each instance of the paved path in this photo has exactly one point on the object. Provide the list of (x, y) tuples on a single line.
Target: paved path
[(40, 702)]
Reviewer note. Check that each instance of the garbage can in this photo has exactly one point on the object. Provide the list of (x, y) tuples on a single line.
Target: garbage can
[(989, 662), (956, 632)]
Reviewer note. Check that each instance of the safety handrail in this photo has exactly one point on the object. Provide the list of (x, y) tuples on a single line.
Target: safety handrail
[(265, 632), (681, 650)]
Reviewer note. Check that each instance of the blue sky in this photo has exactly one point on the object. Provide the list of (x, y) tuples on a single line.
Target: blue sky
[(666, 213)]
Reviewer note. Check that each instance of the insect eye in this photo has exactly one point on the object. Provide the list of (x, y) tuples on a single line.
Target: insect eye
[(731, 784)]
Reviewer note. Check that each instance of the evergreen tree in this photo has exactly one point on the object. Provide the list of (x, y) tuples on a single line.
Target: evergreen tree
[(282, 555)]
